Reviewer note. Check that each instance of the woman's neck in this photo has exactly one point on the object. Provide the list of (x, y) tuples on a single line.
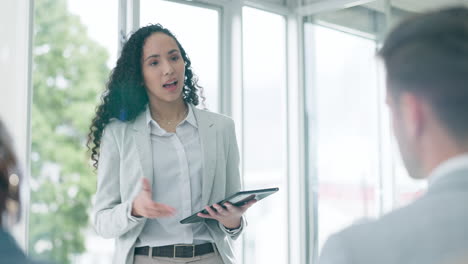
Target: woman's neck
[(168, 111)]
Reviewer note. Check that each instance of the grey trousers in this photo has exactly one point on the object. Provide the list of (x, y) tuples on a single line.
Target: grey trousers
[(211, 258)]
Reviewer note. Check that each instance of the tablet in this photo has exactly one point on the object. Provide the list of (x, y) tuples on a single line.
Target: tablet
[(237, 199)]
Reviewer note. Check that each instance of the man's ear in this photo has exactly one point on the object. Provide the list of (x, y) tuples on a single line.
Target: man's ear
[(412, 114)]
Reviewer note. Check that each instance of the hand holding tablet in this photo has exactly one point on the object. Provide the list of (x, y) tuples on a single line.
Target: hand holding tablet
[(238, 199)]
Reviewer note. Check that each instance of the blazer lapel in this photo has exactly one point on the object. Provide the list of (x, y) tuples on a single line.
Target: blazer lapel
[(142, 139), (207, 133)]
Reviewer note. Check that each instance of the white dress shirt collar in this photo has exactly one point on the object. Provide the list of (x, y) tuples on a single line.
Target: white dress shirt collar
[(190, 118), (447, 167)]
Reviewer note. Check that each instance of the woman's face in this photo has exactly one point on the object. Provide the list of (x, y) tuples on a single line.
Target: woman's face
[(163, 69)]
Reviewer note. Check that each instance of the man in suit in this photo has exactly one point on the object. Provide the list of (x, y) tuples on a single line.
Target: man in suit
[(426, 59)]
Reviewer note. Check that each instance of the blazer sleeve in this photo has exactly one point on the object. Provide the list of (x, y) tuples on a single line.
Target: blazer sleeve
[(112, 217), (334, 251), (233, 180)]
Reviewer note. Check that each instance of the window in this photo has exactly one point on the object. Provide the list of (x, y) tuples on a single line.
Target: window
[(73, 51), (354, 167), (197, 29), (264, 116), (342, 100)]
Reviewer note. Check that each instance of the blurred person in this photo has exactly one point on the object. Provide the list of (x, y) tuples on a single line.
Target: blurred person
[(160, 159), (9, 201), (426, 60)]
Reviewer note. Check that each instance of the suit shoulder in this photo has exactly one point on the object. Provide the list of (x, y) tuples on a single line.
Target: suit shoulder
[(394, 225), (116, 124), (117, 129), (217, 118)]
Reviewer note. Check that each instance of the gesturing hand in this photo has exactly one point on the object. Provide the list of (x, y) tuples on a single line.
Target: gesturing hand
[(143, 205), (230, 216)]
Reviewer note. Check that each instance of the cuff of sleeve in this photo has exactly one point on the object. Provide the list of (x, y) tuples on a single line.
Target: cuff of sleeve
[(233, 232), (129, 213)]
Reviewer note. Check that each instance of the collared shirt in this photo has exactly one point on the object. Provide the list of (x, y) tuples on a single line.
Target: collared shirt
[(177, 182), (447, 167)]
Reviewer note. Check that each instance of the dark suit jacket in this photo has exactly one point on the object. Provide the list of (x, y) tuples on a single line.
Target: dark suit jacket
[(10, 253)]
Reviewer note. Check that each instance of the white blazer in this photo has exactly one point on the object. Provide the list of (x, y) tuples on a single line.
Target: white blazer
[(126, 156)]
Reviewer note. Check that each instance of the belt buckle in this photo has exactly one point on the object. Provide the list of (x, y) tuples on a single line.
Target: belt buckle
[(193, 250)]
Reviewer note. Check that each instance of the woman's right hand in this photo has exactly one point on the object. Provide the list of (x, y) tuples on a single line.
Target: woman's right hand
[(144, 206)]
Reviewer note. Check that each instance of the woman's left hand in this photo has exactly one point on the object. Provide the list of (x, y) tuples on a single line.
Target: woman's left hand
[(230, 216)]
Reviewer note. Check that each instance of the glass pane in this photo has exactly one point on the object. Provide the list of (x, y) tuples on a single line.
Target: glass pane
[(75, 46), (264, 72), (355, 170), (197, 29), (368, 21), (342, 105)]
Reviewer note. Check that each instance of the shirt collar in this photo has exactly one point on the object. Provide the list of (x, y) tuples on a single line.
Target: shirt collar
[(449, 166), (190, 118), (148, 115)]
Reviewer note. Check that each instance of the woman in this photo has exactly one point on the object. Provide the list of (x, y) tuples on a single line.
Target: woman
[(160, 159), (9, 201)]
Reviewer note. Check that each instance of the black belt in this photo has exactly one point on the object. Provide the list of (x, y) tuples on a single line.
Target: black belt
[(176, 251)]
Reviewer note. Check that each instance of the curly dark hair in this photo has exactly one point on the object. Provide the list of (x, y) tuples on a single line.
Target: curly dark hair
[(125, 96), (8, 166)]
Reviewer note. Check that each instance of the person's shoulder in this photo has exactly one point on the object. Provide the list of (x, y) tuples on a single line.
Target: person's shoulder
[(390, 227), (368, 229), (116, 124), (10, 251), (215, 117), (359, 229), (413, 226), (354, 244), (31, 261)]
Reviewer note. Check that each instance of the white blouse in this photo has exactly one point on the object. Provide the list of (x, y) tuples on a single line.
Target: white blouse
[(177, 172)]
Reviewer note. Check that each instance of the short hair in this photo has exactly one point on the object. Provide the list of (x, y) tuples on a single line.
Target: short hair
[(427, 55), (8, 166)]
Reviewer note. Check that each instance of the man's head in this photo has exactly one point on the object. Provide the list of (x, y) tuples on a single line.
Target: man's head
[(426, 58)]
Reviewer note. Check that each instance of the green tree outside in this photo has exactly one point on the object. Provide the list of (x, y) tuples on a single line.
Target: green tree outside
[(69, 73)]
